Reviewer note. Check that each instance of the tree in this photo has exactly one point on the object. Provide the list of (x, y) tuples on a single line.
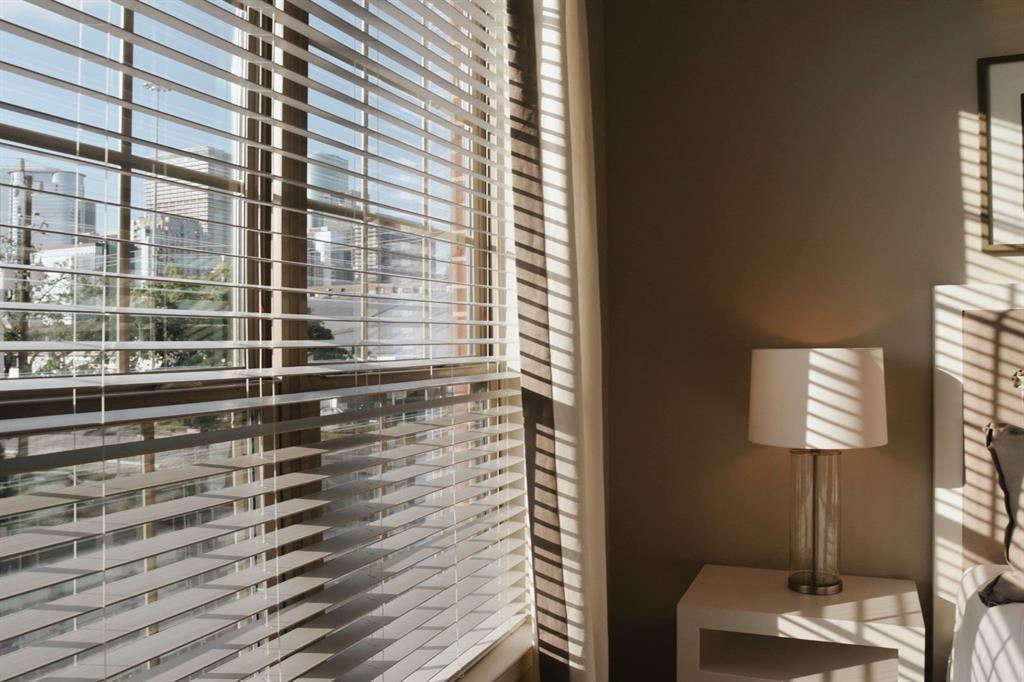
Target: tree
[(317, 331), (58, 289), (183, 296)]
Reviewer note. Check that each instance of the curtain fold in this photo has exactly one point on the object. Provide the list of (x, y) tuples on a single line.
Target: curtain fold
[(559, 332)]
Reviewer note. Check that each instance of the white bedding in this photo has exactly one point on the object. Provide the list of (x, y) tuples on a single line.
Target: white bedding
[(988, 644)]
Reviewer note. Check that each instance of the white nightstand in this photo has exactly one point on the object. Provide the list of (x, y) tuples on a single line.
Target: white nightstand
[(745, 624)]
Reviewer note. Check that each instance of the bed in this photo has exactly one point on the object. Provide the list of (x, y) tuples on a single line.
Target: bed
[(978, 351)]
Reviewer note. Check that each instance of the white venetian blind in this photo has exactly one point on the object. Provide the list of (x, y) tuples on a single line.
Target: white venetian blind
[(259, 413)]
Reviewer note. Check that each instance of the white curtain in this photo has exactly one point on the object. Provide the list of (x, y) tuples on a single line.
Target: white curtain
[(560, 336)]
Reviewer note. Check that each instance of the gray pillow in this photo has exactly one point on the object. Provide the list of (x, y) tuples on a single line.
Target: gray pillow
[(1006, 445)]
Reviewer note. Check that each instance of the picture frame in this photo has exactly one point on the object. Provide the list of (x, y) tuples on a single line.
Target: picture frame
[(1001, 112)]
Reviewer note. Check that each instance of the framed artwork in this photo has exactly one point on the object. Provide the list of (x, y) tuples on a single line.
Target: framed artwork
[(1001, 105)]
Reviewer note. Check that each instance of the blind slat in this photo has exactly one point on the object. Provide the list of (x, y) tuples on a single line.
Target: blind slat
[(169, 411)]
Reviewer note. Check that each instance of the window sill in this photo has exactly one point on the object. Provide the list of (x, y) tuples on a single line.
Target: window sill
[(512, 660)]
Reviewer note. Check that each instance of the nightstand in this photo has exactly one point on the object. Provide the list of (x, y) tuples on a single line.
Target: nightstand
[(745, 624)]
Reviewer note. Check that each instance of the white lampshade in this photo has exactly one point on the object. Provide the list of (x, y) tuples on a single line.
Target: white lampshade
[(818, 398)]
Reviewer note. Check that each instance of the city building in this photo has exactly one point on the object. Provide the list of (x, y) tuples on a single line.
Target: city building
[(334, 252), (49, 199), (183, 218)]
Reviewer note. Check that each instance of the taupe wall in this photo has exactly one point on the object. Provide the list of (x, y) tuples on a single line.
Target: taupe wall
[(777, 173)]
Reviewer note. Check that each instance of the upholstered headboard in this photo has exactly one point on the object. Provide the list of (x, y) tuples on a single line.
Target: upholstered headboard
[(978, 348)]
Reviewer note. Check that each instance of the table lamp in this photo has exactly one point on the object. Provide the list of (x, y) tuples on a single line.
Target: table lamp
[(817, 402)]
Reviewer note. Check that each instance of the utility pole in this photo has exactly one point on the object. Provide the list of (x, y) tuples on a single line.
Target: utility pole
[(22, 281), (23, 244)]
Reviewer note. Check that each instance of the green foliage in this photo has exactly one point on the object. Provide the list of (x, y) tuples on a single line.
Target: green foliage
[(183, 296), (65, 289), (317, 331), (57, 290)]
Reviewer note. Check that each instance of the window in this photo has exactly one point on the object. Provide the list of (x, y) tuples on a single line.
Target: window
[(259, 413)]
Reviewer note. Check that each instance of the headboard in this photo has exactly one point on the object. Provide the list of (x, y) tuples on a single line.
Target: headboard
[(978, 348)]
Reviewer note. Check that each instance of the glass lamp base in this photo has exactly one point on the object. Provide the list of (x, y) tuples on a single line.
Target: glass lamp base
[(812, 582), (814, 529)]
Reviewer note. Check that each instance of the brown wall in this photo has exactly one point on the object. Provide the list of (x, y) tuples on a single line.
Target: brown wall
[(777, 173)]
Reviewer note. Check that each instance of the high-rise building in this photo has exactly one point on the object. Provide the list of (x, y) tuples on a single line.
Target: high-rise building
[(333, 250), (213, 211), (160, 243), (327, 176), (47, 199), (183, 216)]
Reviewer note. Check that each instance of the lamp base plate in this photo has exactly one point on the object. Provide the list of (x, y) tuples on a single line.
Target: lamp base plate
[(812, 582)]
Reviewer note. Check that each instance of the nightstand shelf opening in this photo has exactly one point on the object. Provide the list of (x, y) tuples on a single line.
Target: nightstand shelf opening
[(748, 657)]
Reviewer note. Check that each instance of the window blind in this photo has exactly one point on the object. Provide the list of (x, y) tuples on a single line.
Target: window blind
[(260, 408)]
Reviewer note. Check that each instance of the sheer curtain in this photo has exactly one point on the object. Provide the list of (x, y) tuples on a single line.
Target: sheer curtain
[(555, 216)]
